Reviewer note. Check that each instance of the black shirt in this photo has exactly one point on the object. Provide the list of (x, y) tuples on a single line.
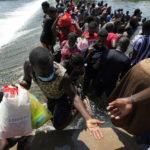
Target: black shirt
[(114, 63), (96, 55), (47, 36)]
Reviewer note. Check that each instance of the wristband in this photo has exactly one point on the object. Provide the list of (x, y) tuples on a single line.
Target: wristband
[(133, 102)]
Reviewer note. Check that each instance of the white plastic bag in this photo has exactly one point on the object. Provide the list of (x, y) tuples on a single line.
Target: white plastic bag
[(15, 116), (83, 44)]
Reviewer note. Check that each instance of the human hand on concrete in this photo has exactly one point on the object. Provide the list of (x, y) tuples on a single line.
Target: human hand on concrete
[(94, 129)]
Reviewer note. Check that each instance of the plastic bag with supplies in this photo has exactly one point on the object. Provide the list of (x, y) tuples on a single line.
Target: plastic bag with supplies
[(15, 117), (20, 112)]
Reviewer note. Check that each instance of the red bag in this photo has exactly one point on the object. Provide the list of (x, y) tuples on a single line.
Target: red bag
[(64, 21), (10, 91), (73, 28)]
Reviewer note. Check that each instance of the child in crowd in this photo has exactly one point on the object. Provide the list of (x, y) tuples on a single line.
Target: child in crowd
[(70, 47), (55, 84), (74, 66)]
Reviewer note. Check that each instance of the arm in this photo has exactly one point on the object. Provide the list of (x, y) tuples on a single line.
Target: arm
[(89, 52), (26, 83), (55, 32), (142, 96), (77, 27), (136, 47), (124, 106), (92, 124)]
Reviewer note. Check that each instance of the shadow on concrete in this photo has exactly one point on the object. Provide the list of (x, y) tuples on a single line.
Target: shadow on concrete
[(53, 140), (114, 139), (129, 144)]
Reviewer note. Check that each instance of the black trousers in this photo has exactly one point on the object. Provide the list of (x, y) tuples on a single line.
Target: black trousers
[(62, 110)]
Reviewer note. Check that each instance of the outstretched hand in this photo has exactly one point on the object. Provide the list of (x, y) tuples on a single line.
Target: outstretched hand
[(120, 108), (94, 129)]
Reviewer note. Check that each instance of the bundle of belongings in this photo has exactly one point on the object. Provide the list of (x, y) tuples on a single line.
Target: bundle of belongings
[(21, 112)]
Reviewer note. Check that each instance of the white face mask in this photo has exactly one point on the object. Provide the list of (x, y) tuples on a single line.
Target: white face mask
[(47, 79)]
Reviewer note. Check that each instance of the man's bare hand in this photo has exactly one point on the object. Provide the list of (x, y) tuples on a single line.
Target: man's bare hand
[(120, 108), (94, 129)]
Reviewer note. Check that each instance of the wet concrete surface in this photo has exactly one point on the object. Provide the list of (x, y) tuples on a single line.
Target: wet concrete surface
[(114, 139)]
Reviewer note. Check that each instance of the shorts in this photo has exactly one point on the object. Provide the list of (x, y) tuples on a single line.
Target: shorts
[(50, 47), (63, 111)]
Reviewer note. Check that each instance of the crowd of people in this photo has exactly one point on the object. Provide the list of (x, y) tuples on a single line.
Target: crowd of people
[(91, 31), (93, 40)]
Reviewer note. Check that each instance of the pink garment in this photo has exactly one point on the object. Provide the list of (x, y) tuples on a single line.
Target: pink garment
[(61, 37), (87, 40), (66, 52)]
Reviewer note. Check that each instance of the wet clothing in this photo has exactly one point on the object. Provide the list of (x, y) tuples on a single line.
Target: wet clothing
[(47, 36), (113, 65), (136, 79)]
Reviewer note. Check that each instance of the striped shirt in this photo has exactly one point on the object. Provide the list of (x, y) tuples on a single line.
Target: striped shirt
[(142, 46)]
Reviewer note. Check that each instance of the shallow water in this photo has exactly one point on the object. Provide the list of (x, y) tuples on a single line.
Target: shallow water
[(20, 32)]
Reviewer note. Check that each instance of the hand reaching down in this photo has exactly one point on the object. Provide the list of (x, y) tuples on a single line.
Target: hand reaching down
[(94, 129)]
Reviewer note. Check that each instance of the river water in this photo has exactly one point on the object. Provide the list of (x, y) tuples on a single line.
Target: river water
[(20, 28)]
